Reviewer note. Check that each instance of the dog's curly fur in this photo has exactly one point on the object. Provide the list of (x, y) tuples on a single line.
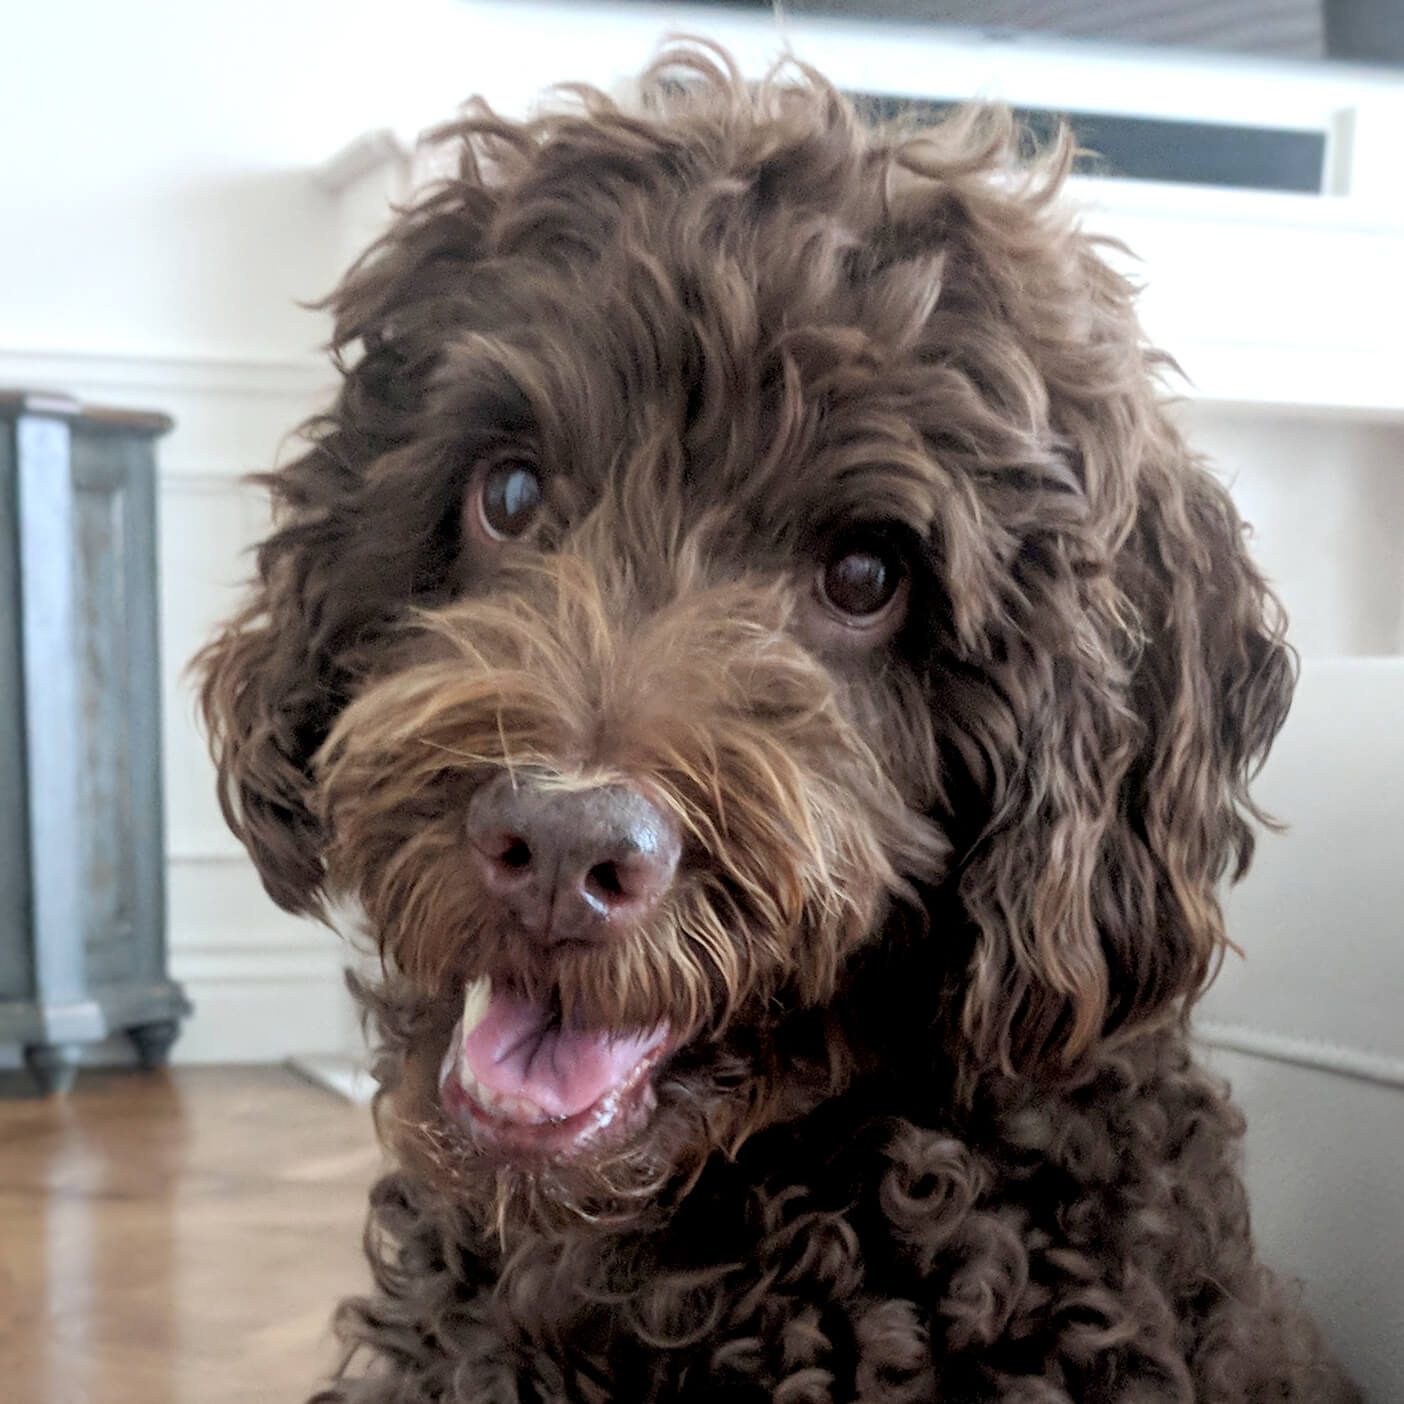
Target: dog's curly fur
[(949, 865)]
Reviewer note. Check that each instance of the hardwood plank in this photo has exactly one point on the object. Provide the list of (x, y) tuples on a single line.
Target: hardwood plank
[(177, 1237)]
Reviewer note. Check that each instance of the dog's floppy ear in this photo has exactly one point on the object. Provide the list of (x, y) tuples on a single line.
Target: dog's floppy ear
[(362, 528), (1108, 665), (1139, 693), (264, 717), (329, 580)]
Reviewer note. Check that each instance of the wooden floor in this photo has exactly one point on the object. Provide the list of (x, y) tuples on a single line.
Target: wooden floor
[(177, 1238)]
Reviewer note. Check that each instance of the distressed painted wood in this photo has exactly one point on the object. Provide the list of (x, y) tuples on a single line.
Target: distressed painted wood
[(82, 873)]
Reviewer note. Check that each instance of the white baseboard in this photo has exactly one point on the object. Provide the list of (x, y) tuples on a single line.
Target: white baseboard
[(337, 1073)]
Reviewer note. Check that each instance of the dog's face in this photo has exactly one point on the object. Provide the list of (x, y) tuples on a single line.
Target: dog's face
[(740, 537)]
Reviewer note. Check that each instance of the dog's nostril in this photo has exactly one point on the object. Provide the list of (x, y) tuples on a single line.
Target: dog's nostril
[(604, 880), (516, 854)]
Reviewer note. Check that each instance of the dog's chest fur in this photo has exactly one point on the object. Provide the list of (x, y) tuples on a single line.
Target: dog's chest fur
[(879, 1248)]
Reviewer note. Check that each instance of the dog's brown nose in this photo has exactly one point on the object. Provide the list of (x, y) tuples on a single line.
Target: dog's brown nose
[(569, 865)]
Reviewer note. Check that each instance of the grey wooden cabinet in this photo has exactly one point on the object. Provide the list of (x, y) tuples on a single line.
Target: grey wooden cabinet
[(82, 873)]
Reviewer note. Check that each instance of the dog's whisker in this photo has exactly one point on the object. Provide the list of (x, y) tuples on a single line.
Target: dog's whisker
[(472, 758)]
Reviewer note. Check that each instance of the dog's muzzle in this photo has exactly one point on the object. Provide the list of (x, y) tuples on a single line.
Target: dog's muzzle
[(558, 865)]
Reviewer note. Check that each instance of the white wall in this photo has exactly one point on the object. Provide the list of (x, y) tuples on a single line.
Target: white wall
[(1325, 497)]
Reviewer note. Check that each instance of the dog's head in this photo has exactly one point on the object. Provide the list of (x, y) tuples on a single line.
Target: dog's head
[(742, 540)]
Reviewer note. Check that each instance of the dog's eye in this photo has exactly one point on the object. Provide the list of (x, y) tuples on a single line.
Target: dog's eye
[(862, 578), (508, 499)]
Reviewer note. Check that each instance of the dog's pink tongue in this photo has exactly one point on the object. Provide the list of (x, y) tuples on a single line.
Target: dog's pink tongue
[(516, 1052)]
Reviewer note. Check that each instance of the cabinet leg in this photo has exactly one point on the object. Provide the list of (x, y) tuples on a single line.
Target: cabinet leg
[(53, 1066), (153, 1041)]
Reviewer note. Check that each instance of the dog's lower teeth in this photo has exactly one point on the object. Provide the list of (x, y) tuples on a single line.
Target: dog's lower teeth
[(509, 1108)]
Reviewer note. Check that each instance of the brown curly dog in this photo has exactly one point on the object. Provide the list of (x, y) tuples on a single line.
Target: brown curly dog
[(782, 695)]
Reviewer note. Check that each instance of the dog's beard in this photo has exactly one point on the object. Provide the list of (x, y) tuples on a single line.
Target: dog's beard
[(667, 1005), (714, 1094), (554, 1054), (795, 840)]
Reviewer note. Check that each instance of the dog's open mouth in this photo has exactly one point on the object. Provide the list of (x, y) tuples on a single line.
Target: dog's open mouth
[(519, 1083)]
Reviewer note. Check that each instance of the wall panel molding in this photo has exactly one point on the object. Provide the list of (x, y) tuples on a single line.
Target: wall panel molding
[(128, 371)]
